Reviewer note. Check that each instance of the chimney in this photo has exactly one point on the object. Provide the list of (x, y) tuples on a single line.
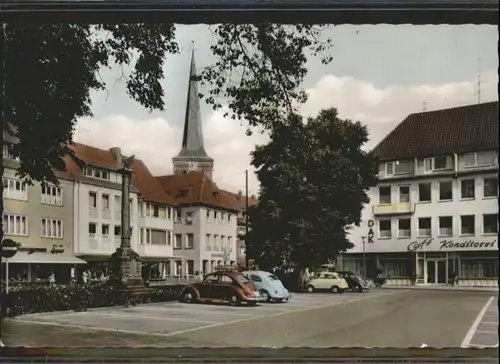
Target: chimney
[(240, 194)]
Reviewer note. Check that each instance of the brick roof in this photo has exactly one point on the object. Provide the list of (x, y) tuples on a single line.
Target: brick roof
[(457, 130), (142, 179), (196, 188)]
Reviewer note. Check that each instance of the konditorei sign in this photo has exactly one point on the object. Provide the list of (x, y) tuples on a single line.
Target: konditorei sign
[(450, 245)]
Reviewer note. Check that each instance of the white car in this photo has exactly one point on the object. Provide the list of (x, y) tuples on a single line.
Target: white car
[(327, 281)]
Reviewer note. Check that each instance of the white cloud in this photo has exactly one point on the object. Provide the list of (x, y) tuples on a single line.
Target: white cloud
[(156, 141)]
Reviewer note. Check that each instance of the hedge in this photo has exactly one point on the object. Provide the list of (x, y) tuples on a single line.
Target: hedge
[(36, 299)]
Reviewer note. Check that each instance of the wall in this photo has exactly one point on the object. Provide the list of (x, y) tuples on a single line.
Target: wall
[(35, 210)]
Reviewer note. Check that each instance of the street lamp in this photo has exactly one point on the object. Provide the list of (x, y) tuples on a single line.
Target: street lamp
[(8, 249)]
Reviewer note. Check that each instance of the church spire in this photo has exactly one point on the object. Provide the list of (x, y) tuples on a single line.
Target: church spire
[(193, 149)]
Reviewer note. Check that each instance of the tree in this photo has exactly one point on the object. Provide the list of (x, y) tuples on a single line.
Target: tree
[(314, 178)]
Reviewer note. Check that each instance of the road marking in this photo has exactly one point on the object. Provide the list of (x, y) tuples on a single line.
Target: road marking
[(158, 334), (150, 317), (489, 323), (205, 312), (486, 332), (475, 324)]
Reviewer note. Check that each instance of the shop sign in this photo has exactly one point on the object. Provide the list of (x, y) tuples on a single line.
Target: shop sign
[(445, 245), (371, 234)]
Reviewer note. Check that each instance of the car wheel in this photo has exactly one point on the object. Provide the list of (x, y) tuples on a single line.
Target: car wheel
[(234, 300), (358, 288), (335, 289), (251, 303), (310, 288), (265, 295), (188, 296)]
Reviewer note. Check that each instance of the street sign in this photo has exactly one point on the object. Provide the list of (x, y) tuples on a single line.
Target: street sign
[(9, 248)]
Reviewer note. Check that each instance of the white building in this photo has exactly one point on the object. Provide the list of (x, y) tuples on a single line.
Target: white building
[(434, 212)]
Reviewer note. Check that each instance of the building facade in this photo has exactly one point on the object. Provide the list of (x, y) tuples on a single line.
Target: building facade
[(434, 213), (40, 218)]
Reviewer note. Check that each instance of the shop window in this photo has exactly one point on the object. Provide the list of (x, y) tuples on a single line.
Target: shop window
[(397, 268), (404, 194), (490, 224), (384, 195), (467, 188), (467, 225), (384, 229), (424, 192), (446, 191), (424, 227), (445, 226), (478, 268), (490, 187), (404, 228)]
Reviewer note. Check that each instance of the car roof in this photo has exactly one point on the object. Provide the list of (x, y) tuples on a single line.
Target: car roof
[(258, 272)]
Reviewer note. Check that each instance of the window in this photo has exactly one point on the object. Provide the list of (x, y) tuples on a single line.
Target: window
[(467, 225), (8, 152), (230, 243), (216, 242), (92, 229), (92, 200), (158, 237), (105, 202), (190, 267), (105, 230), (169, 238), (52, 228), (476, 268), (480, 159), (209, 217), (490, 187), (424, 227), (96, 172), (490, 224), (189, 218), (445, 226), (208, 242), (229, 218), (255, 278), (446, 191), (398, 167), (51, 195), (404, 193), (15, 189), (436, 164), (424, 192), (404, 228), (216, 217), (15, 225), (189, 241), (384, 194), (118, 230), (467, 188), (178, 241), (395, 268), (384, 229), (178, 215)]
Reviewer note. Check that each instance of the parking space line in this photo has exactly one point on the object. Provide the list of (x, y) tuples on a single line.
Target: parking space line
[(150, 317), (489, 323), (486, 332), (475, 324), (204, 311)]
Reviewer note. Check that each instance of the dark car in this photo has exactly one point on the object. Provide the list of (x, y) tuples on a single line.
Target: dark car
[(356, 282), (222, 287)]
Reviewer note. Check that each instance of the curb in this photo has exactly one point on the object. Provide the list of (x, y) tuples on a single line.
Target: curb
[(464, 289)]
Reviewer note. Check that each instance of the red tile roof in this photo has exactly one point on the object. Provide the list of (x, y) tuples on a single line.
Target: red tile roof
[(196, 188), (457, 130)]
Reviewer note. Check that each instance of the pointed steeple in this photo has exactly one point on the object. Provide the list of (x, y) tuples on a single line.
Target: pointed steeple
[(193, 148)]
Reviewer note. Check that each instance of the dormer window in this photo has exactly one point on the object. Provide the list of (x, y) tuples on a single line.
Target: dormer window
[(437, 164), (479, 159), (398, 167), (96, 172)]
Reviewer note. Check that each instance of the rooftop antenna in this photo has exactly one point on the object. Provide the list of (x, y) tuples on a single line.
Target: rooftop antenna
[(479, 80)]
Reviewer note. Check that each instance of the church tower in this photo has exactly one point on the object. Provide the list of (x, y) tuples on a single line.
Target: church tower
[(193, 156)]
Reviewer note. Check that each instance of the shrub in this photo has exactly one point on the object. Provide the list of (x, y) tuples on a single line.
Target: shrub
[(35, 299)]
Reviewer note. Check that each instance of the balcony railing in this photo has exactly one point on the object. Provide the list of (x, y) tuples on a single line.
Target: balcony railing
[(394, 209)]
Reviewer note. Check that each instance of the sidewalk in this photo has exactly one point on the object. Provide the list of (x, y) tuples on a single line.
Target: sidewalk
[(445, 288)]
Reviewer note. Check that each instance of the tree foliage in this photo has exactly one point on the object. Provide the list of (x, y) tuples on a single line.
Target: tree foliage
[(314, 178)]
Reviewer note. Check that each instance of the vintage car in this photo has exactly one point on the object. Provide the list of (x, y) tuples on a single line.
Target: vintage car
[(327, 281), (222, 287), (268, 285), (356, 282)]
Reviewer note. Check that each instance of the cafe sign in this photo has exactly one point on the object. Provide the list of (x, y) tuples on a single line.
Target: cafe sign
[(451, 245)]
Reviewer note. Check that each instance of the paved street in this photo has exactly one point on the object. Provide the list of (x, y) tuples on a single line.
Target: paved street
[(381, 318)]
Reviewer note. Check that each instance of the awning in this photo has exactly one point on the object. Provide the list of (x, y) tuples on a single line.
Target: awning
[(44, 258)]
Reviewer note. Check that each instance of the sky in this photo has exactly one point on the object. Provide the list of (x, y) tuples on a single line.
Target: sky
[(379, 75)]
